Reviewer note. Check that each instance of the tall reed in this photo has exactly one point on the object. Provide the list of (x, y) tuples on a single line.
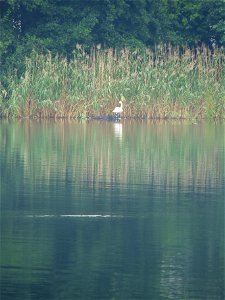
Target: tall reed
[(165, 83)]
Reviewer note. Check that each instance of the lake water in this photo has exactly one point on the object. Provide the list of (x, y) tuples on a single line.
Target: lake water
[(103, 210)]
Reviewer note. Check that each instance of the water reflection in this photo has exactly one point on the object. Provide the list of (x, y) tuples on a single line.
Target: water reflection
[(164, 154), (118, 130), (133, 210), (172, 284)]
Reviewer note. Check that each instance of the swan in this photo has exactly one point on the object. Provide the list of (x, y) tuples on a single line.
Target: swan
[(118, 109)]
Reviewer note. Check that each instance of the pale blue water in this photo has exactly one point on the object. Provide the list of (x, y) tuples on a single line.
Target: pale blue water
[(103, 210)]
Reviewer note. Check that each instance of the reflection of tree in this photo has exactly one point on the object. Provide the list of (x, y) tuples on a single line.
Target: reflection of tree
[(68, 167)]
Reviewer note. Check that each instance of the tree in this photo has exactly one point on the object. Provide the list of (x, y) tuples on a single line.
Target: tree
[(195, 22), (58, 25)]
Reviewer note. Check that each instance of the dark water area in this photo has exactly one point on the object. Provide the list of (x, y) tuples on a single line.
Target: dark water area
[(103, 210)]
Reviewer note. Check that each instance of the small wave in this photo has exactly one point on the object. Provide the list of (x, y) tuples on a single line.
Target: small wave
[(86, 216), (74, 216), (41, 216)]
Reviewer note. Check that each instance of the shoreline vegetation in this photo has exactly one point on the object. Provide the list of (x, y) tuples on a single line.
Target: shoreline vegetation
[(167, 83)]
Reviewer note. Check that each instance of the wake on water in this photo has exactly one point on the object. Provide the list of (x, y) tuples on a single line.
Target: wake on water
[(74, 216)]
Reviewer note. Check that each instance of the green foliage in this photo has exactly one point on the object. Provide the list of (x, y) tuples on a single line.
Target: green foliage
[(58, 26)]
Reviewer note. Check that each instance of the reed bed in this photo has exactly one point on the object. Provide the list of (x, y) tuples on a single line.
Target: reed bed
[(166, 82)]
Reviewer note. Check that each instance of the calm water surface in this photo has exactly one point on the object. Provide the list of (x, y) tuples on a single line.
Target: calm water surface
[(103, 210)]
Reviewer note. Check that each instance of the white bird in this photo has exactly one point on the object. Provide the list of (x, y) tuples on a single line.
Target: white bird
[(118, 109)]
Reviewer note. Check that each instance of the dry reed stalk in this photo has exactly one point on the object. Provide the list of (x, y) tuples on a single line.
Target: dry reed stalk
[(165, 83)]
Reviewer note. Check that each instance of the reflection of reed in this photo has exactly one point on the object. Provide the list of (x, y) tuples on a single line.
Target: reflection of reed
[(162, 250), (161, 154)]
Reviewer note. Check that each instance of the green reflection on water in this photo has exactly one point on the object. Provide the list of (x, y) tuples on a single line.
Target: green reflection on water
[(163, 185), (165, 153)]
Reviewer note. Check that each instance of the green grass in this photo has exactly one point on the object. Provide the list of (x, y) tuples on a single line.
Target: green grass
[(153, 84)]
